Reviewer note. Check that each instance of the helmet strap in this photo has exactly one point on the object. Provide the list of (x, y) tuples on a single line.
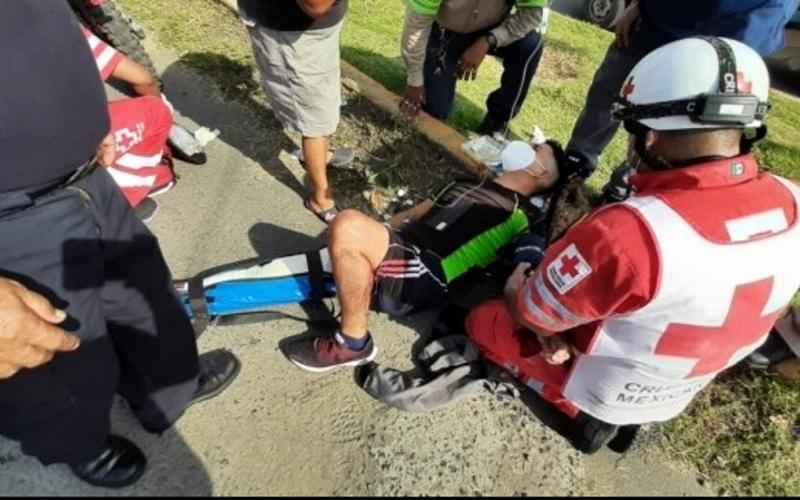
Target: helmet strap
[(652, 160), (749, 142)]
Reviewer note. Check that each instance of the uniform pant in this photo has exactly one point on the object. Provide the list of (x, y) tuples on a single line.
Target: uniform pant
[(83, 248), (595, 128), (140, 128), (503, 342), (520, 61)]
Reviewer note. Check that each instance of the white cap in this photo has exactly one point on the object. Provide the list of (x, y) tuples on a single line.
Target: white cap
[(517, 156)]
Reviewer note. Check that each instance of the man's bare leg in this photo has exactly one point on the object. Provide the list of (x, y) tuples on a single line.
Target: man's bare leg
[(315, 151), (357, 245)]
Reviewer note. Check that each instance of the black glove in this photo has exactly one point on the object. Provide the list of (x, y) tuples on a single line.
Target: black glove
[(529, 248)]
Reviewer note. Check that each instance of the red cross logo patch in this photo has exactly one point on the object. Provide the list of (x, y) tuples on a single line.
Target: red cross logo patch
[(568, 269)]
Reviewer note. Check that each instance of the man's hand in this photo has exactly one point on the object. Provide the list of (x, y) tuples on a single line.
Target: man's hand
[(515, 283), (472, 58), (315, 8), (28, 337), (106, 151), (412, 102), (627, 25), (554, 349)]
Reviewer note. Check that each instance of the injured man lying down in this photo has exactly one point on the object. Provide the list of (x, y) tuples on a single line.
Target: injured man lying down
[(409, 265), (414, 262)]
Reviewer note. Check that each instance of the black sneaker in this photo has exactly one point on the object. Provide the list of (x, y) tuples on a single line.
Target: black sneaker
[(146, 210), (576, 164), (121, 463), (591, 434), (218, 369), (492, 125), (326, 353), (619, 187)]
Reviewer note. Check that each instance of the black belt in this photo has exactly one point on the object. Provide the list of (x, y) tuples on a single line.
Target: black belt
[(14, 201)]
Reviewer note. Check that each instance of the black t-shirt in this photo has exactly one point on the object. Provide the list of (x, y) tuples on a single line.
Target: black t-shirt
[(470, 224), (286, 15), (53, 108)]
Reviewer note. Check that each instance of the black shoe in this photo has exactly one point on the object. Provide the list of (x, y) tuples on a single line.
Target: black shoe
[(217, 370), (146, 210), (121, 463), (576, 164), (619, 187), (772, 352), (184, 146), (492, 125), (591, 434), (636, 437)]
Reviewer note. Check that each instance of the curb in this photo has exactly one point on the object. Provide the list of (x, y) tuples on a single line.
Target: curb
[(435, 130)]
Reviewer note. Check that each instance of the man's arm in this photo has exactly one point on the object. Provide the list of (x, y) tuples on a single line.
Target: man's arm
[(528, 17), (400, 219), (414, 43), (555, 350), (315, 8), (137, 76)]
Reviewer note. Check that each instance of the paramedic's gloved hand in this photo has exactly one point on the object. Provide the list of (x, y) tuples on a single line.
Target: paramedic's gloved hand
[(529, 248), (28, 335)]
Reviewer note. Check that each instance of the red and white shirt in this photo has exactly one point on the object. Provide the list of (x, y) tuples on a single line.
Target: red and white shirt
[(664, 291), (106, 56)]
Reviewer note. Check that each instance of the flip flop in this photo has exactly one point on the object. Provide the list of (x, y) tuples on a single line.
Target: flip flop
[(342, 157), (325, 216)]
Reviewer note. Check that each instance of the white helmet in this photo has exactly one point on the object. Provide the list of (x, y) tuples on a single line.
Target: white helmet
[(696, 83)]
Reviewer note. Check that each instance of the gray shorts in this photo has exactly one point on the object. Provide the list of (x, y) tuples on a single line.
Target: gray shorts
[(301, 75)]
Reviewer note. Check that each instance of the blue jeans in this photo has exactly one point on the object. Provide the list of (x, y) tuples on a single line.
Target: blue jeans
[(520, 60)]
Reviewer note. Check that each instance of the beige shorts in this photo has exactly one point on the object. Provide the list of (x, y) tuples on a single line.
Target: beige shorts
[(301, 76)]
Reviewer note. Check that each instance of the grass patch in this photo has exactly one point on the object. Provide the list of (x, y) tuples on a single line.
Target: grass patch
[(740, 431)]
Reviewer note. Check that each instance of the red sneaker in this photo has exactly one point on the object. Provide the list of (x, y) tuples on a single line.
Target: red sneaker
[(326, 353)]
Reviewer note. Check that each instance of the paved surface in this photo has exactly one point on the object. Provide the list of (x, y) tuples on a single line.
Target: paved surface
[(279, 431)]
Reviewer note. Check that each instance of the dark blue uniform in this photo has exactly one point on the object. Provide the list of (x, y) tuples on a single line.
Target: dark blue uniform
[(78, 243)]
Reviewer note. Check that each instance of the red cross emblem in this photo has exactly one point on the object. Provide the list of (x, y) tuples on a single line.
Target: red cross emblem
[(744, 85), (569, 265), (628, 88), (713, 347)]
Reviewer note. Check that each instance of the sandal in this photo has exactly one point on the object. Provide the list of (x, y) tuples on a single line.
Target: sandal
[(325, 216)]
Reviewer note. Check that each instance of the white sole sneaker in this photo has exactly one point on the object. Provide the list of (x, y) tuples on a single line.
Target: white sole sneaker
[(351, 364), (163, 189)]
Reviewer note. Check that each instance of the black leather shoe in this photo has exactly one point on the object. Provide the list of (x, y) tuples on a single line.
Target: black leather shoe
[(492, 125), (773, 351), (121, 463), (217, 370)]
